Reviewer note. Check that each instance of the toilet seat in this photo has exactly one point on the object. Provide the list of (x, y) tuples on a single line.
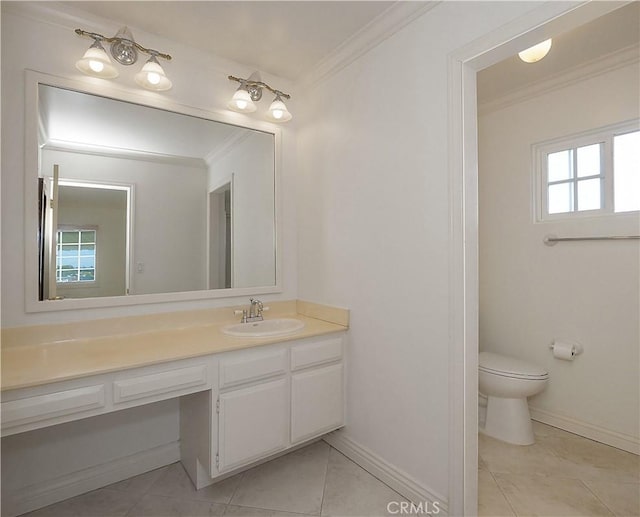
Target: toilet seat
[(510, 367)]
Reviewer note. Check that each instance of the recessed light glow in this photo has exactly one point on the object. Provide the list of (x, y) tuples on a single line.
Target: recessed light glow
[(535, 53)]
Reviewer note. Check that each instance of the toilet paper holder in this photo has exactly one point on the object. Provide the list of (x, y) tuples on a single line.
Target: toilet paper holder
[(574, 348)]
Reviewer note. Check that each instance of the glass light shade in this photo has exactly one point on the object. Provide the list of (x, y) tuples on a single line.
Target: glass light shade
[(535, 53), (96, 62), (241, 102), (278, 111), (152, 76)]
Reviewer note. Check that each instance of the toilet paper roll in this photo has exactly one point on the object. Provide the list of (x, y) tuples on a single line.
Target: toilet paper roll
[(564, 351)]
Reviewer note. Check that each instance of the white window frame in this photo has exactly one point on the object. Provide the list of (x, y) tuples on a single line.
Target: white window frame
[(604, 136), (79, 283)]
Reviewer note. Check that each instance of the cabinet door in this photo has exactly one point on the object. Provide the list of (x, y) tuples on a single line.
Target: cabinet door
[(252, 423), (317, 402)]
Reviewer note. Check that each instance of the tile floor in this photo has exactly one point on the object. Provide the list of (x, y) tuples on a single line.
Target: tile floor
[(315, 480), (561, 474)]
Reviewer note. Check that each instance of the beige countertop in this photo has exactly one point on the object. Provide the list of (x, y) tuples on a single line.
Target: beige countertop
[(29, 365)]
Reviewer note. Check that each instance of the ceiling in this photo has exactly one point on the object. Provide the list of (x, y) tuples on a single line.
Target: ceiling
[(615, 31), (286, 38)]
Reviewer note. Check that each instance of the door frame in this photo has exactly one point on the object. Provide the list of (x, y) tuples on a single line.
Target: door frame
[(547, 20)]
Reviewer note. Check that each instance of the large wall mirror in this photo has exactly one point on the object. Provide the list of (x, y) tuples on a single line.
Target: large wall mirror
[(136, 203)]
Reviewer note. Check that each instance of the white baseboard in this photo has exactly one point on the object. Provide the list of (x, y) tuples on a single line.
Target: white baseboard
[(52, 491), (594, 432), (385, 472)]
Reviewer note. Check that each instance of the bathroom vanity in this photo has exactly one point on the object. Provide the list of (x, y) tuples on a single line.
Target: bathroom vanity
[(242, 399)]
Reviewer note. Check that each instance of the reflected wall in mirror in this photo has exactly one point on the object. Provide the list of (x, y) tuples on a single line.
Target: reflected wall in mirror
[(149, 201)]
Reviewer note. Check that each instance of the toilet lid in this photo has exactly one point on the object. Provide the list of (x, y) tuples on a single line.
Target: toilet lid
[(509, 366)]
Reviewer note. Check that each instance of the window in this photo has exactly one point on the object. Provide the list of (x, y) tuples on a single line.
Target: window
[(76, 255), (593, 173)]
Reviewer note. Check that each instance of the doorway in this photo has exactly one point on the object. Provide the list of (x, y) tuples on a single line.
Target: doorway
[(538, 25), (220, 237)]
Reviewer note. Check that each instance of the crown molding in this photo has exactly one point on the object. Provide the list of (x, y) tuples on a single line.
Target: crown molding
[(56, 14), (226, 146), (385, 25), (624, 57), (125, 154)]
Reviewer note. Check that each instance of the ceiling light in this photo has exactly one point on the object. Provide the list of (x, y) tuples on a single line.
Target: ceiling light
[(125, 50), (250, 91), (152, 76), (535, 53), (96, 62)]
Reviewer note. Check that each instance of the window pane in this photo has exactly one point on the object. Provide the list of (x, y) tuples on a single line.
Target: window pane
[(626, 176), (68, 237), (560, 166), (69, 251), (560, 198), (87, 262), (87, 275), (589, 161), (589, 197), (69, 276), (87, 249), (69, 263), (88, 236)]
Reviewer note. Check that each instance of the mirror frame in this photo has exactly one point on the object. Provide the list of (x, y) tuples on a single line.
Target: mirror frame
[(32, 167)]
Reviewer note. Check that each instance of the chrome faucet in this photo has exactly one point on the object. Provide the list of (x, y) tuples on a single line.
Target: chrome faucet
[(255, 310), (254, 313)]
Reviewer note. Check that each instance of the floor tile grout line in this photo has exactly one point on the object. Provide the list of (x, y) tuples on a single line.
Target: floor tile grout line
[(235, 490), (324, 485), (503, 494), (584, 483), (270, 510), (370, 473)]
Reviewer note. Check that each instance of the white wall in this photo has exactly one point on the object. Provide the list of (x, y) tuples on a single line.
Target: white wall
[(373, 230), (169, 214), (531, 294), (250, 162), (53, 48)]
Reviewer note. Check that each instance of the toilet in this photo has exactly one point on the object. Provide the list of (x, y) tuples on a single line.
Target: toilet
[(507, 382)]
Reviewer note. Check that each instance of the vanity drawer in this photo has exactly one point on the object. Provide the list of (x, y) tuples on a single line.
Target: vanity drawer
[(252, 367), (52, 405), (160, 385), (318, 352)]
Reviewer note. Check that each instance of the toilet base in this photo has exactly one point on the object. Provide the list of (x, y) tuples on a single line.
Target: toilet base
[(509, 420)]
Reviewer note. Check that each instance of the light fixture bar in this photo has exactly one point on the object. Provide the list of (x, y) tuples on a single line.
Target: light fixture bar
[(259, 84), (100, 37)]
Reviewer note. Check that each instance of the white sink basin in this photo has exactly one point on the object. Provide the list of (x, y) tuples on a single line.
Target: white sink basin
[(271, 327)]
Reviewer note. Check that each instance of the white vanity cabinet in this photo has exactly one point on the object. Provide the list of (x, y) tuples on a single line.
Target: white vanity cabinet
[(252, 407), (27, 409), (317, 388), (270, 399), (237, 408)]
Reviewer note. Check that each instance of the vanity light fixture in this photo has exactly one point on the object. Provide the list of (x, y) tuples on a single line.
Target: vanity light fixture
[(535, 53), (250, 91), (124, 50)]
